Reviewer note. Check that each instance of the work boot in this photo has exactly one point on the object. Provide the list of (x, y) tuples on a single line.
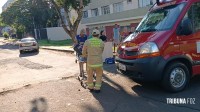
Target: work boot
[(91, 90), (97, 91), (90, 86)]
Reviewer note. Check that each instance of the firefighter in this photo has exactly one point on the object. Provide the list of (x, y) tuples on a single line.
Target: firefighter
[(93, 49)]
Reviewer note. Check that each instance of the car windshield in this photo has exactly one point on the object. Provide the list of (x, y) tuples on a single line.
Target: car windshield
[(160, 19), (28, 40), (130, 37)]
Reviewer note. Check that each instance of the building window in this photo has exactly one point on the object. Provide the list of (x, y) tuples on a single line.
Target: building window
[(144, 3), (105, 10), (129, 1), (95, 12), (118, 7), (85, 14)]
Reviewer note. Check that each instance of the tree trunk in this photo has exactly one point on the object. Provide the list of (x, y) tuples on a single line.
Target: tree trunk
[(71, 30)]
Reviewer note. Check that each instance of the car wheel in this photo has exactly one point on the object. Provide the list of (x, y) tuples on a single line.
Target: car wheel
[(21, 51), (176, 77), (37, 50)]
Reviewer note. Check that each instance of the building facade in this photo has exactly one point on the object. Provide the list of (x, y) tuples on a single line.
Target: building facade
[(104, 14), (7, 4)]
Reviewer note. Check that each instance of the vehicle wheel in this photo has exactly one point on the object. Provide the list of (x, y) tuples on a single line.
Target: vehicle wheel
[(37, 50), (21, 51), (176, 77)]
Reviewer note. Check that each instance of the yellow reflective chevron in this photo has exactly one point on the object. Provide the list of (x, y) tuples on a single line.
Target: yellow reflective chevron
[(96, 65), (97, 86), (95, 42), (90, 85)]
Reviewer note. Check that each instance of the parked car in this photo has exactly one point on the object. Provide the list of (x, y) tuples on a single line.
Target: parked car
[(28, 44), (165, 46)]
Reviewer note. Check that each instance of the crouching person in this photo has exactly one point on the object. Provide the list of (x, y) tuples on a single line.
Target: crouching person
[(93, 50)]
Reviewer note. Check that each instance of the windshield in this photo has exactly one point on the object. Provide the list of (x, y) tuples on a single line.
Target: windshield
[(130, 37), (160, 19), (28, 40)]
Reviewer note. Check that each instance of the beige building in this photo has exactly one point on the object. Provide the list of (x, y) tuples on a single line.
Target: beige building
[(105, 13), (7, 4)]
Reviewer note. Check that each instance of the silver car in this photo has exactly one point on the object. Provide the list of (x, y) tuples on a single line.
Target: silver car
[(28, 44)]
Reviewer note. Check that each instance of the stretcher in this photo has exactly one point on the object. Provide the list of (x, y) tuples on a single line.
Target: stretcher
[(82, 75)]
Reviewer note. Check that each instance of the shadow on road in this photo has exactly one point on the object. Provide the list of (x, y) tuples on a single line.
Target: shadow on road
[(113, 98), (152, 97), (157, 93), (9, 47), (39, 105), (27, 54), (110, 68)]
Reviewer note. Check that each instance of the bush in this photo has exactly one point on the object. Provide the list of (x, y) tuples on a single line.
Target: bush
[(5, 34)]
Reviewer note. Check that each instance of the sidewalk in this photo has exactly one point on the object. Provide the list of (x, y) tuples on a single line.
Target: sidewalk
[(55, 48), (14, 42), (1, 39)]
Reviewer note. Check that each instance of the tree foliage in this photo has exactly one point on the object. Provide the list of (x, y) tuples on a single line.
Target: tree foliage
[(25, 15), (68, 6), (5, 34), (1, 22)]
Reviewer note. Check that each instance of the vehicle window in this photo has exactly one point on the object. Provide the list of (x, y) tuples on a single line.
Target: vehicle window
[(160, 19), (26, 40), (194, 15)]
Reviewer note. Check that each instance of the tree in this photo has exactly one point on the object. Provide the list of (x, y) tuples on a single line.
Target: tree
[(6, 35), (26, 15), (68, 6), (1, 22)]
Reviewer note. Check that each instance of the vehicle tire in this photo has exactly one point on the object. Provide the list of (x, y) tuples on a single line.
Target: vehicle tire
[(37, 50), (21, 51), (176, 77)]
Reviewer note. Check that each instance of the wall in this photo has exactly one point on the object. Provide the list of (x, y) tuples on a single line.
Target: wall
[(132, 5), (119, 16), (7, 4), (100, 3), (57, 33)]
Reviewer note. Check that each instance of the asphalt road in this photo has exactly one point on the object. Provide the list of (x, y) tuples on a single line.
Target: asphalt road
[(18, 70), (46, 82)]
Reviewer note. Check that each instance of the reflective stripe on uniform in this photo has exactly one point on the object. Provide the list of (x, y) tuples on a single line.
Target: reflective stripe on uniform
[(95, 42), (90, 84), (97, 86), (96, 65)]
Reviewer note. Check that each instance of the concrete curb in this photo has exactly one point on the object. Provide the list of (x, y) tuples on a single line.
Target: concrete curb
[(60, 50), (46, 48)]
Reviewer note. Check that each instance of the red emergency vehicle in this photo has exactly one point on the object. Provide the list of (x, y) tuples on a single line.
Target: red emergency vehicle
[(165, 46)]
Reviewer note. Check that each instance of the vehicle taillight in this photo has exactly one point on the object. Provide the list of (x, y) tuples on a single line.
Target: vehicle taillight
[(34, 44)]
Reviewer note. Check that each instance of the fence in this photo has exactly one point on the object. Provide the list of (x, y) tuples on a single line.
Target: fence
[(54, 33)]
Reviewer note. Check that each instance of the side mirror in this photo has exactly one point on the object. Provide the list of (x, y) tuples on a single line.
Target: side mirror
[(186, 27)]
